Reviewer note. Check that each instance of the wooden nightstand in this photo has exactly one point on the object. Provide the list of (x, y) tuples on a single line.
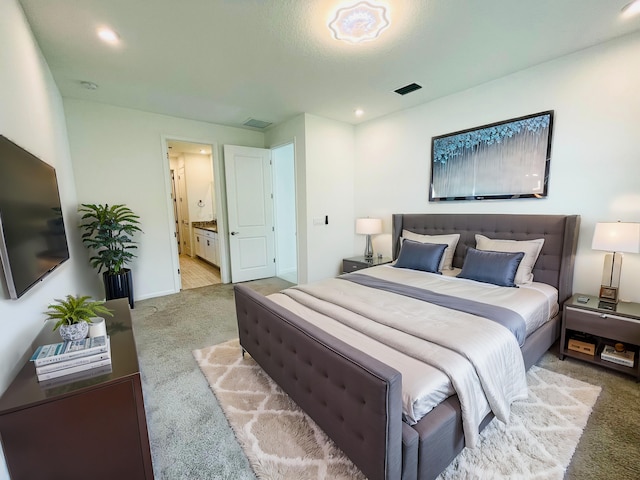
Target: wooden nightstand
[(591, 324), (354, 264)]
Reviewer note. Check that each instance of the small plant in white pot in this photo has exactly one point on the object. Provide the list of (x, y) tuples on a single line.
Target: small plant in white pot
[(74, 314)]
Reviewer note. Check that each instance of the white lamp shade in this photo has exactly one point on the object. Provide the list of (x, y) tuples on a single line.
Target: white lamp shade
[(617, 237), (368, 226)]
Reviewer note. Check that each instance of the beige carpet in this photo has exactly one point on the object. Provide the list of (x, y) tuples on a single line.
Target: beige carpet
[(281, 442)]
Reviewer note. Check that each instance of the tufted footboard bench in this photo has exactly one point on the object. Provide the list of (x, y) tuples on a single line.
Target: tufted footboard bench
[(353, 397)]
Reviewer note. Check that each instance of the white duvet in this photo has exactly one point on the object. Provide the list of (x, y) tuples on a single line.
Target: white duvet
[(437, 350)]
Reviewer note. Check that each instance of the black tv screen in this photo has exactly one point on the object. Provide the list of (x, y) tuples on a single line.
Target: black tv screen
[(32, 235)]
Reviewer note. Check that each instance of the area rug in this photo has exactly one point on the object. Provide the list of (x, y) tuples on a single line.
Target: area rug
[(282, 442)]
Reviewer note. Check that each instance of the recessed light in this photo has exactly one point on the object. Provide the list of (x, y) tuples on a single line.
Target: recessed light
[(202, 150), (358, 112), (109, 36), (631, 9)]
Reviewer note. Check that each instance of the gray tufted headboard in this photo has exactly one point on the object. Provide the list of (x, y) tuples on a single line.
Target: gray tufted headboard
[(555, 263)]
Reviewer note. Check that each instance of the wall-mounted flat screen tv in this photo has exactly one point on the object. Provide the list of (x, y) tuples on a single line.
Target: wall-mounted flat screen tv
[(32, 235)]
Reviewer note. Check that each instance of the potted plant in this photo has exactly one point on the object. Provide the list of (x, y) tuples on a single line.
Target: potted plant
[(74, 314), (108, 232)]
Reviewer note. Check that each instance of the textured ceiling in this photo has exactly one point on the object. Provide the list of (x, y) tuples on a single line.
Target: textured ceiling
[(225, 61)]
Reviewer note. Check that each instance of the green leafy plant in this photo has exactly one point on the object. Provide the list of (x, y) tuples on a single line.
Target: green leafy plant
[(108, 231), (74, 310)]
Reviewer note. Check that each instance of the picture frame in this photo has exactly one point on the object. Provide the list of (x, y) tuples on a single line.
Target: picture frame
[(503, 160)]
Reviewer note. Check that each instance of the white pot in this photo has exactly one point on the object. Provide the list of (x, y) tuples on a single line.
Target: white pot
[(97, 327)]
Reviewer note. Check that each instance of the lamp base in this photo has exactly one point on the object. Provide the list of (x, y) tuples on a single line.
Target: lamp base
[(607, 305), (368, 249), (608, 294)]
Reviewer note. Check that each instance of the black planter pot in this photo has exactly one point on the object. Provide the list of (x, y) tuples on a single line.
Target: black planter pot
[(118, 285)]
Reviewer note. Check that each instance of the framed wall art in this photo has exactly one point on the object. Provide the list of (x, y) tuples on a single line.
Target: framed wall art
[(502, 160)]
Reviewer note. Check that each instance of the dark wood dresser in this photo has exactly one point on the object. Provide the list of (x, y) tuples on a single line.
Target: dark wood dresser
[(77, 429)]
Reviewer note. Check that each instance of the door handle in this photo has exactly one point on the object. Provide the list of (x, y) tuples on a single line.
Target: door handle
[(235, 233)]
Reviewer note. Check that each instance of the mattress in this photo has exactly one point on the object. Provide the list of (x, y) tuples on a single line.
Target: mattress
[(425, 386)]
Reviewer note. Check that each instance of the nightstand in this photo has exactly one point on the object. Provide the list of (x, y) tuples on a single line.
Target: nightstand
[(590, 324), (354, 264)]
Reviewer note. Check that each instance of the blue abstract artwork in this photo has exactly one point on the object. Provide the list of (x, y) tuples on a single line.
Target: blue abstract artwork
[(503, 160)]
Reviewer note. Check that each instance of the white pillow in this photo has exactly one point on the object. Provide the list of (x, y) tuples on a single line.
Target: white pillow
[(450, 240), (530, 248)]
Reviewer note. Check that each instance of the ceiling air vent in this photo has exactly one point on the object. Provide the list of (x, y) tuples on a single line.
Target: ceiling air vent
[(252, 122), (412, 87)]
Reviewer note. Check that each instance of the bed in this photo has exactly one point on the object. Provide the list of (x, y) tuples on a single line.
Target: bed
[(356, 398)]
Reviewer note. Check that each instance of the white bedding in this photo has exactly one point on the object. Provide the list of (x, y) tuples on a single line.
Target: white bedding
[(424, 385), (536, 302)]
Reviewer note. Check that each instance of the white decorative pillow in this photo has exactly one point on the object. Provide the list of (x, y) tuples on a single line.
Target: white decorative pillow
[(450, 240), (530, 248)]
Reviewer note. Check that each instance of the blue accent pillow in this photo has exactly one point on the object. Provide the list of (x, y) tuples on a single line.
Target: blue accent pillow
[(420, 256), (488, 266)]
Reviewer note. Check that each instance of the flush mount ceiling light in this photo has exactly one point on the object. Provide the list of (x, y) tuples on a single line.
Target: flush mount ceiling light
[(108, 36), (88, 85), (631, 9), (359, 23)]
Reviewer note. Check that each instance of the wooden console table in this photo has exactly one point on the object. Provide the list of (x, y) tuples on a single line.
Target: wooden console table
[(92, 428)]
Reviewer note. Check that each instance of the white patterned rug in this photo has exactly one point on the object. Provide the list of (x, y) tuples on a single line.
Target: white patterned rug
[(282, 442)]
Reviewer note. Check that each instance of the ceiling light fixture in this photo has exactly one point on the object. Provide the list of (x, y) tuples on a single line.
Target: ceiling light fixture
[(359, 23), (358, 112), (89, 85), (108, 36), (631, 9)]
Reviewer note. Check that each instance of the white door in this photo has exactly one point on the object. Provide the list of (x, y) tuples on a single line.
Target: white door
[(250, 212)]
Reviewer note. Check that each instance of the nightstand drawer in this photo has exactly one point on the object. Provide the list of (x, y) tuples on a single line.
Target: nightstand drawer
[(351, 266), (603, 324)]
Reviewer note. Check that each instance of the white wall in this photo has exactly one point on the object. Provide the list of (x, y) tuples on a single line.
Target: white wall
[(117, 158), (32, 116), (330, 177), (595, 158), (324, 155), (199, 177)]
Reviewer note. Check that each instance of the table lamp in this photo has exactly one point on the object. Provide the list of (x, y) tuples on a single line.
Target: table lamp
[(616, 238), (368, 227)]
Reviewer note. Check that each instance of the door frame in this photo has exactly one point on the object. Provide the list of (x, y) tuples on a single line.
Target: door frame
[(291, 142), (218, 173)]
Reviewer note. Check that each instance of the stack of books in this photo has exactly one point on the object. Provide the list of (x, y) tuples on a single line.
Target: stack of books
[(625, 357), (66, 358)]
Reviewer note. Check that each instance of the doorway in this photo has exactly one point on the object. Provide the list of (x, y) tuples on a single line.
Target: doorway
[(194, 207), (284, 197), (261, 212)]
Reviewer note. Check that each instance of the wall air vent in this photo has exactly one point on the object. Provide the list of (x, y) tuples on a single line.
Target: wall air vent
[(252, 122), (412, 87)]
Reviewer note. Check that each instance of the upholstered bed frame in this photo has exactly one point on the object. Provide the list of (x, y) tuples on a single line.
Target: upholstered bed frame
[(355, 398)]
